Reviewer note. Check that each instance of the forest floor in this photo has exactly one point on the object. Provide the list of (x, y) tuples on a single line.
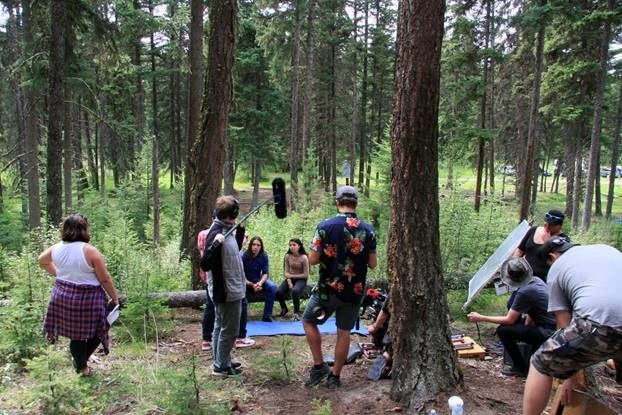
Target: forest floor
[(485, 391)]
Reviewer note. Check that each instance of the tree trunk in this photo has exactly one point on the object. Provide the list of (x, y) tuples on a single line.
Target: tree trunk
[(576, 197), (138, 100), (101, 145), (593, 167), (58, 23), (294, 142), (91, 152), (195, 94), (425, 363), (598, 209), (155, 175), (533, 117), (207, 155), (68, 151), (479, 173), (31, 130), (363, 150), (229, 169), (13, 30), (306, 111), (78, 163), (614, 154)]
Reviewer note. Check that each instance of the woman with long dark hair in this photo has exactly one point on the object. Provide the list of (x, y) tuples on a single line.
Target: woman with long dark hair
[(296, 273), (257, 271), (78, 306)]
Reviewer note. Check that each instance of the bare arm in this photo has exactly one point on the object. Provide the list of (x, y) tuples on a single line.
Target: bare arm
[(518, 252), (314, 258), (508, 319), (45, 261), (562, 317), (372, 261), (96, 260)]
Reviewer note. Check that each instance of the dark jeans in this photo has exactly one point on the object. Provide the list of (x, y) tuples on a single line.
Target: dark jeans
[(209, 316), (297, 290), (81, 350), (511, 334)]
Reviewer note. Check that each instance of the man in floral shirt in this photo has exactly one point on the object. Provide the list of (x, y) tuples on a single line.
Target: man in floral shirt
[(344, 246)]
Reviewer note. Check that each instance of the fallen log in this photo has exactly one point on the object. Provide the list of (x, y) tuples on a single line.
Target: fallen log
[(196, 298)]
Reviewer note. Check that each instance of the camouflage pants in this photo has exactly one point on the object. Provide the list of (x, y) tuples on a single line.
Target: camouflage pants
[(581, 344)]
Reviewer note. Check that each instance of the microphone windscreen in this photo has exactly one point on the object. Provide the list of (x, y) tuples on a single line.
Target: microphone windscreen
[(280, 201)]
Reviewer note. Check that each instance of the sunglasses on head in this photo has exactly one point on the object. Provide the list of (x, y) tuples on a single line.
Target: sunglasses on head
[(552, 218)]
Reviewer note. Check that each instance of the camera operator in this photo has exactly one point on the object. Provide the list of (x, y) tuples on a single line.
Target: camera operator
[(379, 328), (344, 246)]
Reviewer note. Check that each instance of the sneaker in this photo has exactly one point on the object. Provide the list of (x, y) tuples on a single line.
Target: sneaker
[(236, 365), (296, 317), (512, 371), (267, 319), (377, 368), (333, 381), (228, 371), (206, 346), (283, 312), (244, 342), (316, 376)]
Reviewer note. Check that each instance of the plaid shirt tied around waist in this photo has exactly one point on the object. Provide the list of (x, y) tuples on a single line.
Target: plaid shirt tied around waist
[(78, 311)]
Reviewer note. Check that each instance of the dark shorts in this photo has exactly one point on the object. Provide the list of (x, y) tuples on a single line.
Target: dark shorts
[(345, 313), (581, 344)]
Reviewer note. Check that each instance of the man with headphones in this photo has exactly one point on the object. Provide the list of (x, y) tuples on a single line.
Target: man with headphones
[(226, 283)]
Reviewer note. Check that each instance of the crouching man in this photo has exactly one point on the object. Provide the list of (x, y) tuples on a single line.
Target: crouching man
[(585, 297)]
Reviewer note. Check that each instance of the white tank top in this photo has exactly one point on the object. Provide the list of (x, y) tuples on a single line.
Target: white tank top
[(71, 263)]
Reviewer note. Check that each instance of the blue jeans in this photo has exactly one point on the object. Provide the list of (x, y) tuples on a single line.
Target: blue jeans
[(226, 328), (208, 318), (269, 292)]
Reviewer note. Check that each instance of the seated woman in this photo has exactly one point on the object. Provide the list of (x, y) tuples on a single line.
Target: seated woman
[(296, 272), (257, 271)]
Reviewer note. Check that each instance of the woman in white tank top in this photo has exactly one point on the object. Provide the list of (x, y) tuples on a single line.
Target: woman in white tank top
[(78, 306)]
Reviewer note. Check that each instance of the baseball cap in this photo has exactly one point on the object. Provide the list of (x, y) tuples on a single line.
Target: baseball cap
[(516, 273), (346, 193), (554, 217), (555, 244)]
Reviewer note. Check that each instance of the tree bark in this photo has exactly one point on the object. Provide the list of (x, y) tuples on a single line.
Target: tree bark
[(614, 154), (294, 142), (533, 119), (68, 151), (195, 94), (207, 155), (363, 142), (593, 167), (425, 363), (306, 110), (155, 174), (31, 130), (58, 23)]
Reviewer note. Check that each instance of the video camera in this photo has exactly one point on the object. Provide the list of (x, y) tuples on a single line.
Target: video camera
[(372, 304)]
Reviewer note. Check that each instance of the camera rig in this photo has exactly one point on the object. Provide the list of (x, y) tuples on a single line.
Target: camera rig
[(372, 304)]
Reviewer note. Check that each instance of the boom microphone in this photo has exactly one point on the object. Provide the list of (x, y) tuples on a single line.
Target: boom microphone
[(280, 201)]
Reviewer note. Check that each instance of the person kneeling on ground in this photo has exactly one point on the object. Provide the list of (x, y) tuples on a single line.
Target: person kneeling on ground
[(379, 329), (531, 299), (587, 303)]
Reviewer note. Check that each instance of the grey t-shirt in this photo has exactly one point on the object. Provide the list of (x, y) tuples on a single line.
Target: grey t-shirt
[(533, 299), (586, 281)]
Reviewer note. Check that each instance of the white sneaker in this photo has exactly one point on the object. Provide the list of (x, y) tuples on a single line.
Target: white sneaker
[(245, 342)]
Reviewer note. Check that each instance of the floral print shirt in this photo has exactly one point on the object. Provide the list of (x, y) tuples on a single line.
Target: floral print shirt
[(344, 243)]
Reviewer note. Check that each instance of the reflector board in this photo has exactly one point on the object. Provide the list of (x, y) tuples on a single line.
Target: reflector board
[(490, 269)]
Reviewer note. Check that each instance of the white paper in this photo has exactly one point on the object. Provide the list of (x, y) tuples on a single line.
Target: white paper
[(113, 315)]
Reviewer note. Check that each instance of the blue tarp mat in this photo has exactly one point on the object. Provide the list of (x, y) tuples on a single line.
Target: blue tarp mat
[(294, 328)]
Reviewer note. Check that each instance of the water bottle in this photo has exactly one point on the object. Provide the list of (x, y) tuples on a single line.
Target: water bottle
[(456, 405), (432, 412)]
